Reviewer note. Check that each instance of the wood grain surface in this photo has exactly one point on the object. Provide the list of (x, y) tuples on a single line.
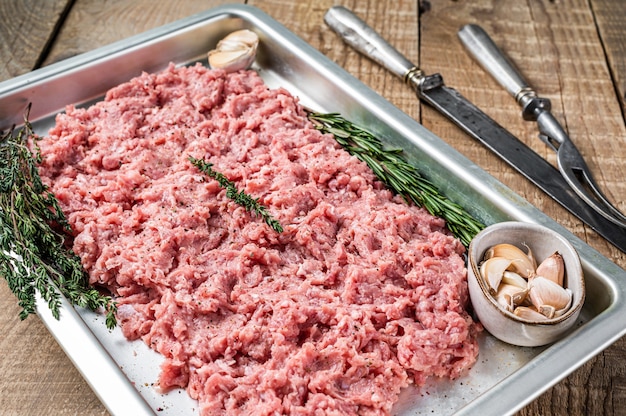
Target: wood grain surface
[(573, 52), (27, 30)]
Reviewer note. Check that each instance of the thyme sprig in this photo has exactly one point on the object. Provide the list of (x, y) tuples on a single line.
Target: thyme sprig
[(393, 170), (249, 203), (33, 254)]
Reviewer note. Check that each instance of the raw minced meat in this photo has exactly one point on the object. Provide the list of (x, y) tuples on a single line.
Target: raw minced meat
[(358, 297)]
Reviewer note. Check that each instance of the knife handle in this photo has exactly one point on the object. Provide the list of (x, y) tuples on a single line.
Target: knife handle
[(493, 60), (356, 33)]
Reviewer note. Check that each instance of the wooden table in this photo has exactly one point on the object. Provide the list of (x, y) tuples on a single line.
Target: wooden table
[(573, 52)]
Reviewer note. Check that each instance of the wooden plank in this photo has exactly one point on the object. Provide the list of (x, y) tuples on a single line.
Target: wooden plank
[(26, 29), (92, 23), (586, 104), (610, 17), (37, 376)]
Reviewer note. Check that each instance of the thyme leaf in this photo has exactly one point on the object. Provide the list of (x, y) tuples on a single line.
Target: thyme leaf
[(400, 176), (240, 197), (33, 254)]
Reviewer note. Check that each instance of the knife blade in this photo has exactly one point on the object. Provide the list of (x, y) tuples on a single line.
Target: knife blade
[(469, 118)]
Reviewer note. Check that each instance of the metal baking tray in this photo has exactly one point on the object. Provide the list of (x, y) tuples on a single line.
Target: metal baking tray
[(122, 373)]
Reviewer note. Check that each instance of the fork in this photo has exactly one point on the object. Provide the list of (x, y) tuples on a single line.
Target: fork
[(570, 162)]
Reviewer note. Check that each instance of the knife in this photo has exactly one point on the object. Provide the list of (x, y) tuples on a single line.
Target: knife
[(432, 90)]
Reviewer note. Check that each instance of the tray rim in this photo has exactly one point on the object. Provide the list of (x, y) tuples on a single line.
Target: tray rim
[(592, 260)]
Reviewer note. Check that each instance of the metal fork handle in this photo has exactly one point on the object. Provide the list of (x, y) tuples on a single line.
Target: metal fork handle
[(494, 61)]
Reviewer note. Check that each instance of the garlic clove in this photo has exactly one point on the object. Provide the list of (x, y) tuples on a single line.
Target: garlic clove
[(235, 52), (530, 314), (231, 61), (552, 268), (492, 271), (505, 301), (246, 36), (547, 310), (512, 278), (520, 262), (531, 256), (561, 311), (510, 296), (543, 292)]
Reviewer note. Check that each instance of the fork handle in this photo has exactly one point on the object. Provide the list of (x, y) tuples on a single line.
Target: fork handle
[(494, 61)]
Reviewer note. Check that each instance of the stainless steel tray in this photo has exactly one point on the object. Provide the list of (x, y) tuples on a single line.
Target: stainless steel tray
[(121, 372)]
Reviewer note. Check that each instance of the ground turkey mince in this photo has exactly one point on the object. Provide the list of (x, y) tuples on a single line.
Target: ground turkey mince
[(358, 297)]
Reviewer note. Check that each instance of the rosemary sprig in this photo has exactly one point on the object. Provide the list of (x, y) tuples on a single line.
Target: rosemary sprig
[(33, 255), (241, 198), (393, 170)]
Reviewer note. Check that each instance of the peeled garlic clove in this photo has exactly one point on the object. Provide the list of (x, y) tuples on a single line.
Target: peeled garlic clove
[(552, 268), (510, 296), (520, 262), (235, 52), (530, 314), (492, 271), (512, 278), (543, 291)]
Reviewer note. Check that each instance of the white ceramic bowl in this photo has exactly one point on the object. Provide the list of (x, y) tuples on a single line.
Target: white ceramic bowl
[(505, 325)]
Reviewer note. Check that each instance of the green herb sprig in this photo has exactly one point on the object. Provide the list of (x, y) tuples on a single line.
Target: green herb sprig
[(249, 203), (33, 255), (393, 170)]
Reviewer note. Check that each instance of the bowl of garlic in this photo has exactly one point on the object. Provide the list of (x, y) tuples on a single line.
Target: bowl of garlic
[(526, 283)]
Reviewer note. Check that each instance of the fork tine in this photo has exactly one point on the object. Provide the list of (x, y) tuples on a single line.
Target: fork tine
[(577, 174)]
